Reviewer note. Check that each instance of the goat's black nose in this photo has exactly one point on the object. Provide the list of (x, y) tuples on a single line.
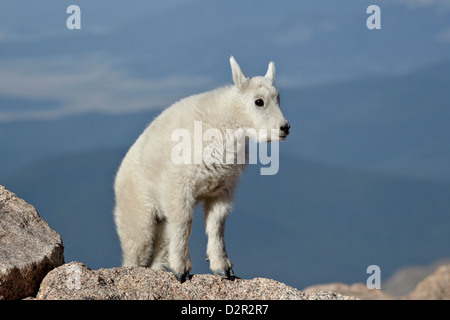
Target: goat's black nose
[(285, 128)]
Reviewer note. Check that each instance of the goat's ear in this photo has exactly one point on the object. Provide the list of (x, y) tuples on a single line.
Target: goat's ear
[(239, 77), (270, 74)]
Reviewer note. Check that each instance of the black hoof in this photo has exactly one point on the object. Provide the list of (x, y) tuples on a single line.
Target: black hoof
[(227, 274), (182, 277)]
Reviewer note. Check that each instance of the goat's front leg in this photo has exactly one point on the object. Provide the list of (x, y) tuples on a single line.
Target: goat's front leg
[(179, 226), (216, 212)]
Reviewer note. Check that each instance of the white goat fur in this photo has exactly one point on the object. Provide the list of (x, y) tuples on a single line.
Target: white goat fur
[(155, 197)]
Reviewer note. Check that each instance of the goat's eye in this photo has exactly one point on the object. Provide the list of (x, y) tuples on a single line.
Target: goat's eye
[(259, 102)]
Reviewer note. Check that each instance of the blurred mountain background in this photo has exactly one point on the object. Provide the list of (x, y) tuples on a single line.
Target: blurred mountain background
[(364, 176)]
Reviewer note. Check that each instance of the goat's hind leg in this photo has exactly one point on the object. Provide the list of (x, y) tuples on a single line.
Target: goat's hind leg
[(137, 232), (161, 248)]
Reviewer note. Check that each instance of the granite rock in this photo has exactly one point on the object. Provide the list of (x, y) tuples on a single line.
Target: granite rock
[(76, 281), (434, 287), (29, 247), (358, 290)]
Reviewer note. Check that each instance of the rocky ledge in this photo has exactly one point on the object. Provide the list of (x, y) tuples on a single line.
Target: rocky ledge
[(29, 248), (76, 281), (32, 266)]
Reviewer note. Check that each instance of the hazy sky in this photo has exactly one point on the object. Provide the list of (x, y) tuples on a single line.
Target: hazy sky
[(138, 55)]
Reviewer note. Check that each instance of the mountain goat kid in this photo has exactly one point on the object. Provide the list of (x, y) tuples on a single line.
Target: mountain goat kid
[(156, 195)]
